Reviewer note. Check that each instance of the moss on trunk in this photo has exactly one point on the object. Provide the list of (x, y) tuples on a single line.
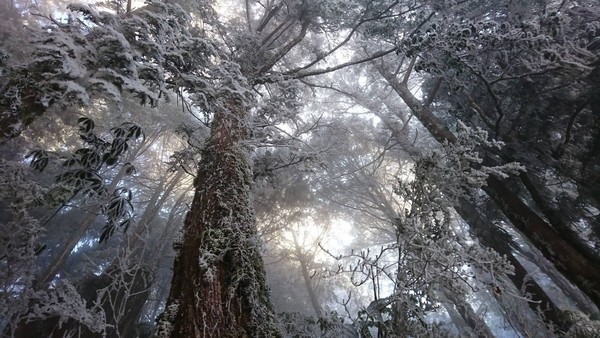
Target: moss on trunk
[(219, 286)]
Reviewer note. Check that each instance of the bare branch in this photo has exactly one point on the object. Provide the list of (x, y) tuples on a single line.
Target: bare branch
[(248, 21), (303, 74), (409, 70), (433, 92), (268, 16), (283, 51), (277, 32)]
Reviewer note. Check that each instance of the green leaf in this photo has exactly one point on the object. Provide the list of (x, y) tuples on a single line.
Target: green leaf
[(109, 159), (39, 159), (107, 232), (118, 132), (129, 169), (86, 125), (135, 132), (39, 248)]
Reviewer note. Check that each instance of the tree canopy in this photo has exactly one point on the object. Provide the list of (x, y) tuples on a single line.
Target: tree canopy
[(300, 168)]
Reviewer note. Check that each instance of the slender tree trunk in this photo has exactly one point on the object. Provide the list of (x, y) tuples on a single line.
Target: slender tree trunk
[(582, 302), (140, 292), (157, 200), (74, 238), (312, 295), (163, 258), (314, 301), (219, 284), (495, 238)]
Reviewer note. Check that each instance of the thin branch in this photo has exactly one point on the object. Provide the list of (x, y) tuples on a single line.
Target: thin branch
[(408, 71), (572, 119), (265, 20), (480, 112), (433, 92), (248, 21), (350, 35), (279, 30), (437, 129), (286, 48), (301, 75), (422, 23), (492, 95)]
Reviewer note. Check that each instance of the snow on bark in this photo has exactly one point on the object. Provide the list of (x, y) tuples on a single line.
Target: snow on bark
[(219, 287)]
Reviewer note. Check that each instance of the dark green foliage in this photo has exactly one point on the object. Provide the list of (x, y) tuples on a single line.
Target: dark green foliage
[(118, 213), (82, 171)]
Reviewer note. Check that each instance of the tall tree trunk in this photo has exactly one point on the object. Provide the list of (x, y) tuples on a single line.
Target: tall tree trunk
[(566, 258), (219, 284), (501, 242), (561, 217)]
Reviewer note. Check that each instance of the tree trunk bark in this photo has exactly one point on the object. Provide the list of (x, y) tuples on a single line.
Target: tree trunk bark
[(502, 243), (219, 284), (560, 218), (566, 258), (475, 322), (464, 330)]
